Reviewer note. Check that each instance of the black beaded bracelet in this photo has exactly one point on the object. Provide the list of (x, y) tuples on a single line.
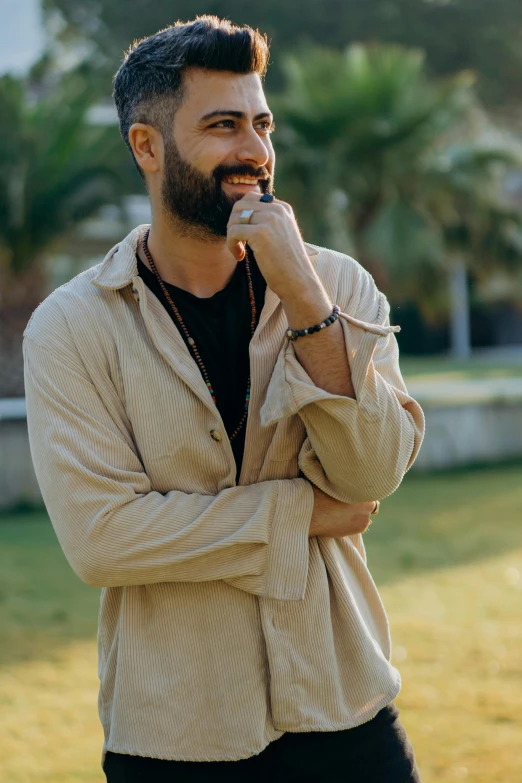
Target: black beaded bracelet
[(293, 334)]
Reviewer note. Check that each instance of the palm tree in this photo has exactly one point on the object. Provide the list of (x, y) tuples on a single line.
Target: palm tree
[(482, 229), (379, 162), (55, 170)]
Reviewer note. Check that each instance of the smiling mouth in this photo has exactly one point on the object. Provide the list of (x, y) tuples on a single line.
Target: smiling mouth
[(250, 181)]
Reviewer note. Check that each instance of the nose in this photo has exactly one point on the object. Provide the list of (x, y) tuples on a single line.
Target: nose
[(253, 149)]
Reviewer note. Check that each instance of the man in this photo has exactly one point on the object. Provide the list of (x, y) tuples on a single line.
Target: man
[(210, 460)]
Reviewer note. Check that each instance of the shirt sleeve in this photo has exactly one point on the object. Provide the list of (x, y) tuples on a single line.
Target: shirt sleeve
[(359, 449), (116, 530)]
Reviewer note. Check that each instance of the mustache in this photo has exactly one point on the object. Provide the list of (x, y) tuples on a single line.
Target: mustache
[(241, 171)]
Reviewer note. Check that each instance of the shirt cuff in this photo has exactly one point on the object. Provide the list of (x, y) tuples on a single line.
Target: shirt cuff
[(291, 388), (286, 566), (288, 549)]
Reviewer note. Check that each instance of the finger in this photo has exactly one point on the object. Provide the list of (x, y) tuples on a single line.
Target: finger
[(245, 202), (238, 235), (252, 195), (241, 232), (239, 251), (236, 246), (259, 216), (235, 218)]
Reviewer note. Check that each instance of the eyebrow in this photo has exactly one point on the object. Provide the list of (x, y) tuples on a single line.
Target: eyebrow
[(240, 115)]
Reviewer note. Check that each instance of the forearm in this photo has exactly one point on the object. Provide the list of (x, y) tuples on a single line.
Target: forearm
[(357, 449), (322, 354), (115, 530), (254, 537), (334, 519)]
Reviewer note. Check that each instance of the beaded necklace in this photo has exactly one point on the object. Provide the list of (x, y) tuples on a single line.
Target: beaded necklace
[(191, 341)]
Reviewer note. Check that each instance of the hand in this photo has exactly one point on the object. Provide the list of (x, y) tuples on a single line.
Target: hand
[(335, 519), (274, 237)]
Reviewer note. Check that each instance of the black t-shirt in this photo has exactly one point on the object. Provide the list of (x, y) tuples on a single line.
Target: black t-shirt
[(220, 326)]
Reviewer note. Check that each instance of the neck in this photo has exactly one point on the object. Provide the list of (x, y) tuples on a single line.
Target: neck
[(198, 265)]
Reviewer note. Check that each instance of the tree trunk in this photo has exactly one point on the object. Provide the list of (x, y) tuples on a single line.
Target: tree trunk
[(336, 218), (460, 335)]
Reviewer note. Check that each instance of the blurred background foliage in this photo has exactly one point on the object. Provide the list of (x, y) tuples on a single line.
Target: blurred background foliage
[(55, 168), (397, 142), (455, 34), (408, 169)]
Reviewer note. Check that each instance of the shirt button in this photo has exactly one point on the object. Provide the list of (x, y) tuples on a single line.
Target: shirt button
[(215, 434)]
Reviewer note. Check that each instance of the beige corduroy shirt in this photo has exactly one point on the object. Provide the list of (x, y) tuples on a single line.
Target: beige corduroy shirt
[(222, 625)]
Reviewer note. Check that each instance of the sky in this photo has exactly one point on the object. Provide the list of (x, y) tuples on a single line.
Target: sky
[(21, 35)]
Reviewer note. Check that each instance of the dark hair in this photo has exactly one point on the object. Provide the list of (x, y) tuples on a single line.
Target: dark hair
[(148, 86)]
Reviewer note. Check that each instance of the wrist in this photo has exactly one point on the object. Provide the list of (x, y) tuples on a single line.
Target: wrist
[(317, 512), (307, 307)]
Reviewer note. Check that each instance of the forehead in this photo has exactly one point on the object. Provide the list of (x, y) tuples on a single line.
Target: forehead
[(207, 91)]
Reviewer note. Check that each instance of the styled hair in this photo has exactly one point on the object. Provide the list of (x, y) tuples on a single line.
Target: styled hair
[(148, 86)]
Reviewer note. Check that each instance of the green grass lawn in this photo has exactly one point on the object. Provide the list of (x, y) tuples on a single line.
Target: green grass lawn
[(443, 368), (446, 553)]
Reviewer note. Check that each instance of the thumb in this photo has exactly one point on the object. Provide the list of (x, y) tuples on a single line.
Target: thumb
[(239, 251)]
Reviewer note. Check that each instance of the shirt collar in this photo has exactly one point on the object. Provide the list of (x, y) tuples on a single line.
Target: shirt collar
[(120, 266)]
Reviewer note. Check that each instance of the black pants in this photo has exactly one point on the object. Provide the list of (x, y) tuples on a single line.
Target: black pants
[(376, 752)]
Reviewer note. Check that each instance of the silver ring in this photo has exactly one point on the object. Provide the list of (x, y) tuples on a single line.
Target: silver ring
[(375, 509), (245, 215)]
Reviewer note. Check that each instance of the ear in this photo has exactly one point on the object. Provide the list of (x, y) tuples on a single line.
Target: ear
[(147, 145)]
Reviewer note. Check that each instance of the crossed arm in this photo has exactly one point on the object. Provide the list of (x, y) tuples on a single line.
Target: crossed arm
[(116, 530), (363, 428)]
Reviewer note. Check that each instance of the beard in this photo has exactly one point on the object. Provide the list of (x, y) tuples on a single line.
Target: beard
[(197, 201)]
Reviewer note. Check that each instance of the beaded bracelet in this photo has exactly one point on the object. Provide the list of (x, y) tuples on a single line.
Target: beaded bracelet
[(293, 334)]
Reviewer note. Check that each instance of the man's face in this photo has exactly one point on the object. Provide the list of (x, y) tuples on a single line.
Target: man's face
[(221, 129)]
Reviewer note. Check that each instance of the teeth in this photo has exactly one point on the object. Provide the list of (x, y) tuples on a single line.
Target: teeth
[(241, 180)]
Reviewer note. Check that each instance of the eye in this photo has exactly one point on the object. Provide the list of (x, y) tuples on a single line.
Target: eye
[(268, 126), (222, 122)]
